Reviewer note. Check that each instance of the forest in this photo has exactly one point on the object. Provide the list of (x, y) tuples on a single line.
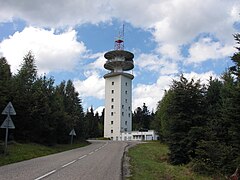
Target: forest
[(200, 123), (46, 113)]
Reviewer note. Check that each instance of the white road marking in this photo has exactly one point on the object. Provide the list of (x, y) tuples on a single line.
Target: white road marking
[(45, 175), (65, 165), (69, 163), (82, 157)]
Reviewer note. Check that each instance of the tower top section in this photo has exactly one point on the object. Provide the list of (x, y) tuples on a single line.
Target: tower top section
[(119, 59), (119, 41)]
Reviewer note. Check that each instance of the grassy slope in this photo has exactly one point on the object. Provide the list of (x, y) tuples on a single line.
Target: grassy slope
[(149, 161), (19, 152)]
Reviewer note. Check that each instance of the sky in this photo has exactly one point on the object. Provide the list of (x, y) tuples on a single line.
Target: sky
[(168, 38)]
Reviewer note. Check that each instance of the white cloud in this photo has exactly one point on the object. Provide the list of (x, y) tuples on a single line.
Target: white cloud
[(98, 63), (206, 49), (169, 51), (203, 77), (55, 13), (150, 94), (52, 51), (92, 86), (153, 62), (172, 22), (153, 93), (185, 20), (99, 110)]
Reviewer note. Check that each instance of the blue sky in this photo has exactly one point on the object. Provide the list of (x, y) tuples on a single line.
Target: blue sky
[(167, 37)]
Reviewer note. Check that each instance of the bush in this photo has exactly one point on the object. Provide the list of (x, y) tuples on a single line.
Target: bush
[(213, 157)]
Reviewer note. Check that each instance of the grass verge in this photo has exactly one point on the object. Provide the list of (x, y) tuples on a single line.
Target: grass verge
[(20, 152), (149, 161)]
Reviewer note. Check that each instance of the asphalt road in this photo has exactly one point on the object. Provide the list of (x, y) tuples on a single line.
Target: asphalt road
[(100, 160)]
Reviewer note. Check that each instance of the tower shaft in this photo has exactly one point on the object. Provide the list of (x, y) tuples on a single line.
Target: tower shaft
[(118, 94)]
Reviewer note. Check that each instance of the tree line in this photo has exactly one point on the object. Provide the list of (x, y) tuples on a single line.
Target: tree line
[(201, 122), (46, 113)]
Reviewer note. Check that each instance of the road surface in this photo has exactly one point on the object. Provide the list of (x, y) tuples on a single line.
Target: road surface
[(100, 160)]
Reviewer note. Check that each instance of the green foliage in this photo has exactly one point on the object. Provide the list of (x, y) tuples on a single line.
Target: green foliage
[(213, 157), (185, 119), (45, 113), (201, 124), (20, 152), (142, 118), (92, 124), (101, 124), (154, 164), (162, 115)]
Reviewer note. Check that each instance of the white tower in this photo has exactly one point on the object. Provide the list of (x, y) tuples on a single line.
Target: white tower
[(118, 91)]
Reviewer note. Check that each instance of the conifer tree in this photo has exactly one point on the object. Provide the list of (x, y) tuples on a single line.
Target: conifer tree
[(23, 99), (5, 81), (186, 120)]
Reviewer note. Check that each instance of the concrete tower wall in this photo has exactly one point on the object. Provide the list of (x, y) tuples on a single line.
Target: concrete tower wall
[(126, 106), (118, 105)]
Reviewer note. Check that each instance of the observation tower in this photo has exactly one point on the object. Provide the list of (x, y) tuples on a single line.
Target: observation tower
[(118, 91)]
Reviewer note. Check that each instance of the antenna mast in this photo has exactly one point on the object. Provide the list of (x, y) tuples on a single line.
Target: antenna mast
[(119, 42)]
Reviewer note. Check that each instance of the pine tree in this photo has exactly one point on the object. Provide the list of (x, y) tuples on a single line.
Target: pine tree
[(142, 118), (162, 116), (5, 82), (92, 123), (5, 87), (101, 124), (186, 119), (43, 130), (23, 99), (219, 153), (74, 109)]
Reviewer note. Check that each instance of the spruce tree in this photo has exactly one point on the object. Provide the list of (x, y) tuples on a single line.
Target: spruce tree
[(5, 88), (23, 99), (186, 119)]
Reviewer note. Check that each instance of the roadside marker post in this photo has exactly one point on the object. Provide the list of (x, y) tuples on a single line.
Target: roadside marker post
[(8, 123), (72, 133)]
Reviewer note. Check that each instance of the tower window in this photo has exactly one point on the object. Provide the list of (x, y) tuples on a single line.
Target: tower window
[(112, 82), (122, 113), (125, 92), (112, 106), (111, 113), (129, 114), (112, 91), (125, 122), (122, 106), (125, 100), (126, 83), (129, 108), (111, 131), (112, 100), (111, 122)]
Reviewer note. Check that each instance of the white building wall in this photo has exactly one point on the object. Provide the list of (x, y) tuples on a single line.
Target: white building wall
[(140, 136), (118, 106), (126, 104)]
